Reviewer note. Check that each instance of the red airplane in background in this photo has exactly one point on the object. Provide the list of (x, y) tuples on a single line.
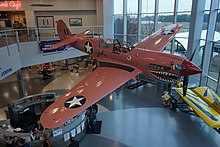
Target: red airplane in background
[(116, 64)]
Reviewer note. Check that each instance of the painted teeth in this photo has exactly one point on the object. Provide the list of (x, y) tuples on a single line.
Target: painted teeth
[(169, 75)]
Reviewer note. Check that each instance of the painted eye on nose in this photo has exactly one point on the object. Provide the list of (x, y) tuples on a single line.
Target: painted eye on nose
[(178, 67), (160, 67)]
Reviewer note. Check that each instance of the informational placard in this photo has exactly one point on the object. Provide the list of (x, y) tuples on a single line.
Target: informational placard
[(6, 72), (44, 45), (57, 132), (66, 136), (78, 129), (83, 125), (83, 116), (73, 133)]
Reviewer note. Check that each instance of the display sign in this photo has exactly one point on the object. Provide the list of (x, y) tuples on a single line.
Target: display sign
[(73, 133), (11, 4), (83, 125), (57, 132), (44, 45), (66, 136), (78, 129), (6, 72)]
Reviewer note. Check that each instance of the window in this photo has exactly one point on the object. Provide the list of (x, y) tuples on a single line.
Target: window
[(166, 5), (148, 6), (132, 6), (118, 6), (184, 5)]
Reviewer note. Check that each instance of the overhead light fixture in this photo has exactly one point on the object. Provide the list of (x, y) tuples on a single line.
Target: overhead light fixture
[(41, 4)]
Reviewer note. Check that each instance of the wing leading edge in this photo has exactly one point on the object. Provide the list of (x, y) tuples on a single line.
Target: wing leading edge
[(95, 86), (158, 40)]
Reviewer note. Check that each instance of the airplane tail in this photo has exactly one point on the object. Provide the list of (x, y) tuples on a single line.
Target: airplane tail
[(66, 36), (62, 30)]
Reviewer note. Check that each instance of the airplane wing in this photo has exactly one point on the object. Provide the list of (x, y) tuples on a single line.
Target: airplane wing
[(158, 40), (209, 115), (105, 79)]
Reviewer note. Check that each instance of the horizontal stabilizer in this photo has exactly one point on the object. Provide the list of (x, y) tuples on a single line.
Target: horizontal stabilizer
[(66, 41), (69, 40)]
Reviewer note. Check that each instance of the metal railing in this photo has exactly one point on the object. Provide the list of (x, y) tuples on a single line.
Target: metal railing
[(8, 37)]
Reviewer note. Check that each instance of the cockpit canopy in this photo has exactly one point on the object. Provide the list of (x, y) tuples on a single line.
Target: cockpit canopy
[(117, 46)]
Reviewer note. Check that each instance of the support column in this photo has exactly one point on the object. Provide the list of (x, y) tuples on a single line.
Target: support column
[(156, 15), (176, 2), (139, 20), (30, 18), (125, 20), (208, 45), (108, 20), (21, 86), (195, 29)]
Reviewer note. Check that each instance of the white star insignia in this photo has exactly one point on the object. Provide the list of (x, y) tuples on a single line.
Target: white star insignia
[(166, 32), (74, 102), (88, 48)]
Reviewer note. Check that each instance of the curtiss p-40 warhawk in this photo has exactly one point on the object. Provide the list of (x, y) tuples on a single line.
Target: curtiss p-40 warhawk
[(117, 63)]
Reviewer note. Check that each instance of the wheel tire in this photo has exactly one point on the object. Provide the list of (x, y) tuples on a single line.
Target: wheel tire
[(171, 106)]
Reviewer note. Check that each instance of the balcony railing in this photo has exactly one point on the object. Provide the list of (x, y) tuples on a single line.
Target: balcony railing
[(12, 36)]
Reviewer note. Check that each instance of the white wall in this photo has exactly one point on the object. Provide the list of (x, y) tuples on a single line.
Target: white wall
[(88, 17), (99, 12), (9, 60), (61, 5), (30, 18), (108, 21), (29, 55), (89, 10)]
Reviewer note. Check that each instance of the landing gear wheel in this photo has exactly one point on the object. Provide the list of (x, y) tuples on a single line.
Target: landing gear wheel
[(172, 106)]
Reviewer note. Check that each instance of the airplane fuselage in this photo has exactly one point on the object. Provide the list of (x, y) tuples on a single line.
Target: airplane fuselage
[(153, 64)]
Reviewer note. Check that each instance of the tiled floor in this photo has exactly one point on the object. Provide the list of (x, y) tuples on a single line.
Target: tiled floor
[(136, 117)]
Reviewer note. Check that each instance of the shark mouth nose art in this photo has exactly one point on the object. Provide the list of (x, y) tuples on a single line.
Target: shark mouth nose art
[(165, 76)]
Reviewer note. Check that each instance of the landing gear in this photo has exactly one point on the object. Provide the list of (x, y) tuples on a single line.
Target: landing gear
[(179, 105), (173, 104)]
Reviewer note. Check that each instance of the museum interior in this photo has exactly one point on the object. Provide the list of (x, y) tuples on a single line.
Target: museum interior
[(113, 73)]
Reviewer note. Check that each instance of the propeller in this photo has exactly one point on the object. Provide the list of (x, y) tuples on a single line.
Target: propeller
[(185, 85), (186, 78)]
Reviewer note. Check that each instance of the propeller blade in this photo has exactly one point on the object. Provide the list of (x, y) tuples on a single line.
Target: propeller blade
[(185, 85), (186, 78)]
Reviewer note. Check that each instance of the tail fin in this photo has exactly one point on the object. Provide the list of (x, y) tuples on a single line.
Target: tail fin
[(62, 30)]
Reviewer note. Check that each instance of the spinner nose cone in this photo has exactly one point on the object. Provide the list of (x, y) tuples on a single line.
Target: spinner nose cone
[(190, 68)]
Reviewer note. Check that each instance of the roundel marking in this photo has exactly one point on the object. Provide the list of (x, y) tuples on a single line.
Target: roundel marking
[(88, 47), (129, 57), (75, 102)]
